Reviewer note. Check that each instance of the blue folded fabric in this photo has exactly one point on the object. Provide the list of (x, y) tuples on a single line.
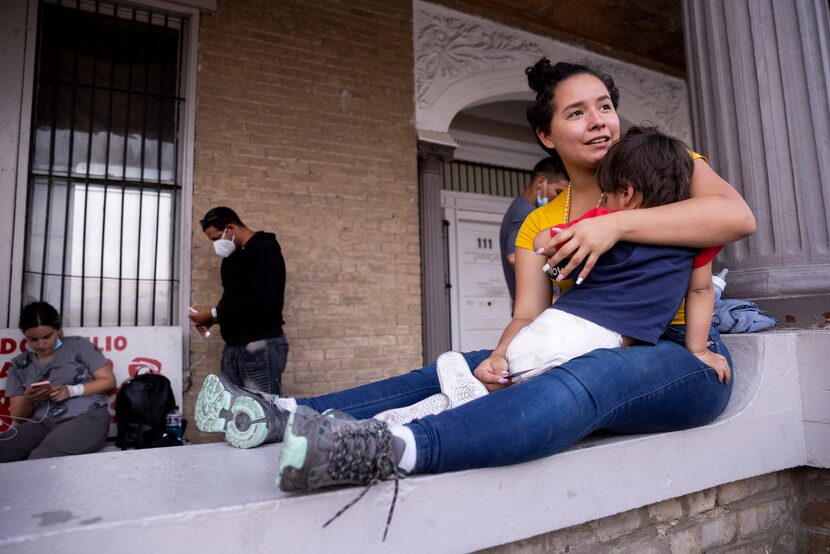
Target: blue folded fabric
[(740, 316)]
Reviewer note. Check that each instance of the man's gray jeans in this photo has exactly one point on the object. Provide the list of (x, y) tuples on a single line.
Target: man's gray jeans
[(257, 365)]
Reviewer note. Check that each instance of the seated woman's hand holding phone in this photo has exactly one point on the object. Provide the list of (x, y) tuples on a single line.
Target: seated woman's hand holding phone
[(37, 391)]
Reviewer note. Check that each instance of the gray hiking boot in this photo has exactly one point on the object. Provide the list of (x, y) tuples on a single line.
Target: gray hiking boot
[(324, 451), (247, 418), (339, 414), (319, 452)]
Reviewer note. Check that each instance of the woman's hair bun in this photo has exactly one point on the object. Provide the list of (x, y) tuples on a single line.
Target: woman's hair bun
[(539, 75)]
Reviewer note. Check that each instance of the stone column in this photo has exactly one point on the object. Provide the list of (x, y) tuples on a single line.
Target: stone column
[(758, 75), (435, 304)]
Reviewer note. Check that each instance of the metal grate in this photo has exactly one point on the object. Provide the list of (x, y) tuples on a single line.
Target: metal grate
[(104, 179), (484, 179)]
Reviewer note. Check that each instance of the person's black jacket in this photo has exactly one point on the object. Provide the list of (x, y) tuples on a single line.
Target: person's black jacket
[(253, 279)]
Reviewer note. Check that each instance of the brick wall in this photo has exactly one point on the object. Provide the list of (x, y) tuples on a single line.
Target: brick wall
[(783, 512), (305, 126)]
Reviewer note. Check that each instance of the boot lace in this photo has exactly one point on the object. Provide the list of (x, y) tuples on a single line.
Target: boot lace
[(350, 459)]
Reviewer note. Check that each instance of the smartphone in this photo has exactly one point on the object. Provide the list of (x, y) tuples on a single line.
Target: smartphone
[(39, 384), (516, 377)]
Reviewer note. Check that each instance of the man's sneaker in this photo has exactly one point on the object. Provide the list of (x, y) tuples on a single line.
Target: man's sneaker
[(246, 417), (323, 451), (431, 405), (457, 381)]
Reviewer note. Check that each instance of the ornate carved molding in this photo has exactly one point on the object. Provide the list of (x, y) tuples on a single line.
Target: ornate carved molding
[(461, 60), (449, 48)]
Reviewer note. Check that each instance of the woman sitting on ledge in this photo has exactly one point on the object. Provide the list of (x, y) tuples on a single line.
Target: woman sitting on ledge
[(638, 389), (57, 390)]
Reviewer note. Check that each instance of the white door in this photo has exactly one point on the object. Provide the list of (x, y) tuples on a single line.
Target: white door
[(479, 300)]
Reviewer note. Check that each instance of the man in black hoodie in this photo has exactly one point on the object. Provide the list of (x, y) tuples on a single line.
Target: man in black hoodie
[(250, 311)]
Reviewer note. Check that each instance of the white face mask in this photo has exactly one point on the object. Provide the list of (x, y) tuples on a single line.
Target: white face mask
[(224, 247)]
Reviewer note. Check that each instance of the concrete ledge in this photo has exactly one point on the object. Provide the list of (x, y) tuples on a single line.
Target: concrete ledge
[(214, 498)]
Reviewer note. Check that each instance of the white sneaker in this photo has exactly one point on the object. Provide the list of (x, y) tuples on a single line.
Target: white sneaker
[(457, 381), (431, 405)]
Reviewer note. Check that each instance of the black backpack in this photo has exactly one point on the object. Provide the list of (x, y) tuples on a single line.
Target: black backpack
[(141, 410)]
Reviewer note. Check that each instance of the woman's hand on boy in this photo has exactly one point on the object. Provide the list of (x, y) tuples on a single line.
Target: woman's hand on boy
[(584, 241), (492, 372)]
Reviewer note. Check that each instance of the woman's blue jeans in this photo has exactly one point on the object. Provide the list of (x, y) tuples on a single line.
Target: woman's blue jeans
[(639, 389)]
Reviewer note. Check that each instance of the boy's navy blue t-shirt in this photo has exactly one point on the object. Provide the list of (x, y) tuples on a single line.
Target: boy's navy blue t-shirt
[(634, 289)]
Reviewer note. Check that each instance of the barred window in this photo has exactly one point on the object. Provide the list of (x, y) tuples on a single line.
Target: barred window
[(485, 179), (104, 183)]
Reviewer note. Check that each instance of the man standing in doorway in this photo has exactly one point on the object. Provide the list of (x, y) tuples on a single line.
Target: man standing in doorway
[(548, 179), (249, 313)]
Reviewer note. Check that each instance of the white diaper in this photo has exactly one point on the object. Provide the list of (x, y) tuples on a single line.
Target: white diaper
[(552, 339)]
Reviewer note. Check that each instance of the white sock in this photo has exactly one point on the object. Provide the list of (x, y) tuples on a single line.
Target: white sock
[(409, 456), (287, 404)]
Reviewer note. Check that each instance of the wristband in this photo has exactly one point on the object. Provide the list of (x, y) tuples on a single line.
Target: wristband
[(213, 313), (75, 390)]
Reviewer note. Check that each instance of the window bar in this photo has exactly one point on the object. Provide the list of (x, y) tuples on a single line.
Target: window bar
[(70, 171), (147, 40), (495, 180), (89, 152), (71, 154), (485, 178), (51, 177), (160, 133), (449, 175), (176, 145), (124, 167), (465, 182), (467, 178), (107, 162), (50, 174)]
